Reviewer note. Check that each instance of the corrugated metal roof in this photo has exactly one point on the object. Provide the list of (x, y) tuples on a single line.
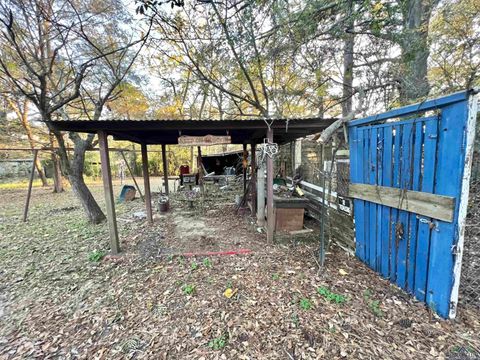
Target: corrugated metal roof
[(167, 131)]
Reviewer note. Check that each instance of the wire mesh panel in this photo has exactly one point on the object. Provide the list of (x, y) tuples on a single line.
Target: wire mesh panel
[(470, 282)]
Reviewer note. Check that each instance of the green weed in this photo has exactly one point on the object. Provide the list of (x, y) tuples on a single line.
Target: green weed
[(207, 263), (375, 308), (194, 266), (188, 289), (373, 305), (275, 276), (331, 296), (219, 342), (96, 255), (305, 304)]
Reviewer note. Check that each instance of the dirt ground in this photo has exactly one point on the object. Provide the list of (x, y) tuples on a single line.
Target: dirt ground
[(57, 302)]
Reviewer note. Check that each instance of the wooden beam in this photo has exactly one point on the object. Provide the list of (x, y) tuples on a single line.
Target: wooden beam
[(108, 190), (131, 174), (431, 205), (146, 182), (30, 183), (270, 214), (165, 167)]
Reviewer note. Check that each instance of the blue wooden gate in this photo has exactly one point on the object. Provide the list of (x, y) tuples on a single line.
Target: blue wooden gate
[(407, 154)]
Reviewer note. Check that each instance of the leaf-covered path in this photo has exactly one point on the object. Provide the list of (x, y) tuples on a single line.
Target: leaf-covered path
[(56, 302)]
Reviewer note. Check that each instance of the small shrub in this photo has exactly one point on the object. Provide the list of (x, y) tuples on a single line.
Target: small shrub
[(218, 343), (331, 296), (305, 304), (188, 289), (96, 255)]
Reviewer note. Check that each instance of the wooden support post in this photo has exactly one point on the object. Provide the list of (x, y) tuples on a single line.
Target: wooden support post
[(108, 190), (253, 178), (30, 183), (165, 167), (131, 174), (270, 215), (244, 163), (146, 182)]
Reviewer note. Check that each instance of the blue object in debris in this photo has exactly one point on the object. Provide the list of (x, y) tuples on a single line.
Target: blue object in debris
[(125, 190)]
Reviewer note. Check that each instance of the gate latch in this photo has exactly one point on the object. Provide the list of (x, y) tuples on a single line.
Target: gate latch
[(432, 225)]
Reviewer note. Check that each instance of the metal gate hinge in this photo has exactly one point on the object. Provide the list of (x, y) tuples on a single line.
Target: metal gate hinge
[(456, 250)]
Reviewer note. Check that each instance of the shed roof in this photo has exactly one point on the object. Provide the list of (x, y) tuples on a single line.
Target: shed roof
[(167, 131)]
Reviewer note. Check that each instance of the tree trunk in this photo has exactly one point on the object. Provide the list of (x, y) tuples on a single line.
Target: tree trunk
[(57, 173), (80, 189), (74, 171), (347, 89), (415, 50)]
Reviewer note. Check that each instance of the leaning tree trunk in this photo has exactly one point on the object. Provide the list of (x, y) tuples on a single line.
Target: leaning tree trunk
[(74, 170), (75, 176)]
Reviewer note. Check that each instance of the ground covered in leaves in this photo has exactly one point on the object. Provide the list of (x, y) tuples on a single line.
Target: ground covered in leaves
[(61, 297)]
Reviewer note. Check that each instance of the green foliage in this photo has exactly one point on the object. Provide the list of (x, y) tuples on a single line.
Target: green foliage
[(207, 263), (305, 304), (331, 296), (375, 308), (194, 266), (373, 305), (96, 255), (188, 289), (275, 276), (219, 342)]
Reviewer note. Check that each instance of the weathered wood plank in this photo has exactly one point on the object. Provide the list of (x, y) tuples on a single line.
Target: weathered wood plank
[(108, 189), (146, 184), (435, 206)]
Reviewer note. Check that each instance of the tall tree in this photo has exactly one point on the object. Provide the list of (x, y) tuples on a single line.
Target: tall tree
[(54, 47)]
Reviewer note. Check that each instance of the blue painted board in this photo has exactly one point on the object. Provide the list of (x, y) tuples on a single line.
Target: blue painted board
[(378, 181), (373, 207), (404, 216), (427, 185), (448, 180), (413, 227), (386, 181)]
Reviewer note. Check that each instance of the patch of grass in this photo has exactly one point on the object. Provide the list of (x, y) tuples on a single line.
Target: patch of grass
[(305, 304), (207, 263), (188, 289), (194, 266), (275, 276), (331, 296), (218, 343), (96, 255)]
